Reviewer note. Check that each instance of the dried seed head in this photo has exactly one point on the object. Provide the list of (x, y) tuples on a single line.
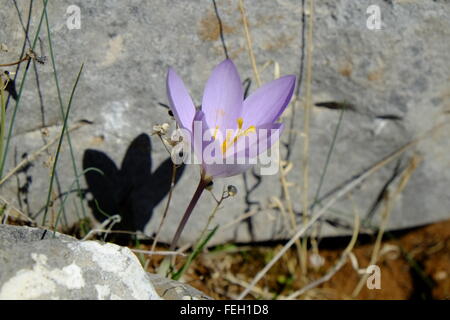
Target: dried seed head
[(209, 186), (232, 190), (45, 132), (48, 163), (175, 138), (161, 129), (41, 59)]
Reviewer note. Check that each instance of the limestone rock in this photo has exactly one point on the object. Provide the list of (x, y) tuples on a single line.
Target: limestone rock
[(38, 266), (396, 79)]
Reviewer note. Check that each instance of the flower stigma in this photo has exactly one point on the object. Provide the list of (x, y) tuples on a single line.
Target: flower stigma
[(229, 141)]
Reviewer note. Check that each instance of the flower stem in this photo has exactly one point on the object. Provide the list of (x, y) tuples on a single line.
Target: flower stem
[(201, 186)]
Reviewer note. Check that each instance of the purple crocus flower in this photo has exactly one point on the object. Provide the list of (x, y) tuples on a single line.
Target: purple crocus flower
[(229, 118)]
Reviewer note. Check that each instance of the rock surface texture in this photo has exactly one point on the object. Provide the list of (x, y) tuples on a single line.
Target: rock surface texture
[(396, 79), (61, 267)]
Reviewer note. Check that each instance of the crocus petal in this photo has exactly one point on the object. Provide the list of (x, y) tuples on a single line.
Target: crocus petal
[(223, 97), (199, 126), (213, 170), (180, 101), (265, 136), (244, 155), (225, 170), (267, 103)]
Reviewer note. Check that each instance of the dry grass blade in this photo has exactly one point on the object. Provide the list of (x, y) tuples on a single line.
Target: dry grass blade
[(342, 192), (341, 262), (277, 204), (257, 292), (108, 224), (287, 196), (388, 200), (35, 154), (9, 210), (239, 219), (166, 209), (249, 42), (306, 117), (159, 253)]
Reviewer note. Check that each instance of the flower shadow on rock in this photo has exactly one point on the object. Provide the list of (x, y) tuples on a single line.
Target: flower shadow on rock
[(131, 191)]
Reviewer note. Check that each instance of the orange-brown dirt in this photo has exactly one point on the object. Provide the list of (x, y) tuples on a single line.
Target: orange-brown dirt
[(414, 264)]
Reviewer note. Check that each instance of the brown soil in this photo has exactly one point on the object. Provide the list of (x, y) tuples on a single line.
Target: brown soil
[(414, 264)]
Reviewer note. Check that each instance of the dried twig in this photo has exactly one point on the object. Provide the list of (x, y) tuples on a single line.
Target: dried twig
[(35, 154), (388, 199), (341, 262), (249, 42), (9, 210), (159, 253), (111, 221), (255, 290), (287, 196), (166, 209), (30, 55), (239, 219), (306, 120), (345, 190)]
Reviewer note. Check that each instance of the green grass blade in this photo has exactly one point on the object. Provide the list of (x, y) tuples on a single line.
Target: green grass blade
[(63, 202), (58, 90), (202, 243), (327, 161), (19, 95), (49, 194)]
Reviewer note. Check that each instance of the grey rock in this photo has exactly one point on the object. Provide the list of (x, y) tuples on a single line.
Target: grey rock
[(36, 265), (399, 72), (170, 289)]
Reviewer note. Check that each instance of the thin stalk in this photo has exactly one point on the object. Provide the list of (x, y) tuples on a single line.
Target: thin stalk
[(3, 116), (35, 154), (316, 231), (348, 187), (198, 248), (58, 91), (22, 85), (327, 161), (26, 58), (220, 29), (249, 42), (200, 188), (166, 209), (63, 202), (306, 123), (202, 240), (63, 131)]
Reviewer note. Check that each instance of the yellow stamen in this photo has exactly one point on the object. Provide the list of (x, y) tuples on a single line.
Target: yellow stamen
[(250, 130), (240, 122), (229, 141), (215, 132), (226, 145)]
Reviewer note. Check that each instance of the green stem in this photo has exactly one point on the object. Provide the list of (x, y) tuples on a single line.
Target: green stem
[(61, 138), (61, 107), (22, 85)]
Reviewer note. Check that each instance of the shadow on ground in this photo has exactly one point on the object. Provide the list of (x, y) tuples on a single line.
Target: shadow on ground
[(132, 191)]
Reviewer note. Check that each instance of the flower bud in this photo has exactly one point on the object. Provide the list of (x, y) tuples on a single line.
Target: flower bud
[(232, 190), (209, 186)]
